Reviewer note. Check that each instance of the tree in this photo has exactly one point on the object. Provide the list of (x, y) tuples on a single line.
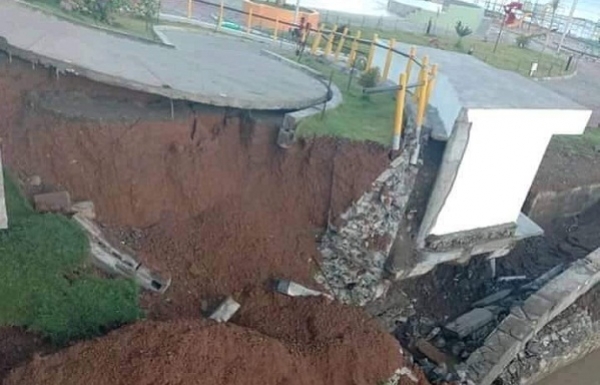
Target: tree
[(462, 30), (554, 5), (147, 10)]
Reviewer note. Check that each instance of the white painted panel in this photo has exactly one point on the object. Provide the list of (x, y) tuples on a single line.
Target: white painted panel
[(503, 155)]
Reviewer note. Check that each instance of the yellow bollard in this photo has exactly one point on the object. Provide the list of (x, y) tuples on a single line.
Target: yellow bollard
[(399, 116), (189, 9), (341, 44), (329, 45), (316, 42), (353, 48), (249, 23), (388, 60), (221, 9), (371, 52), (431, 83), (276, 29), (421, 108), (421, 79), (412, 54)]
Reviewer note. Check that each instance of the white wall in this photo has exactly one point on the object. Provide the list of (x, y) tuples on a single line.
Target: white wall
[(503, 154), (422, 4)]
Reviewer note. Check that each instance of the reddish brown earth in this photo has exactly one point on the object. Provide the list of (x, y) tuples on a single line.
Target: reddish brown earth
[(210, 200), (306, 342)]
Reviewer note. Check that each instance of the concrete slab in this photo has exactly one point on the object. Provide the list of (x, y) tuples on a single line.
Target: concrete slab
[(527, 228), (3, 214), (205, 68)]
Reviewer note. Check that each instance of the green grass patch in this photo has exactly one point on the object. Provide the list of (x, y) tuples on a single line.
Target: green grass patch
[(582, 145), (45, 284), (357, 118), (122, 23)]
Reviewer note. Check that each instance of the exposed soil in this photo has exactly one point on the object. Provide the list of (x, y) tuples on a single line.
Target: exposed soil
[(210, 200), (18, 346), (294, 341)]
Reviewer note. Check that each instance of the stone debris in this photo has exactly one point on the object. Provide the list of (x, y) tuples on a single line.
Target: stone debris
[(512, 278), (492, 298), (470, 322), (431, 352), (55, 202), (351, 266), (34, 181), (540, 281), (294, 289), (85, 208), (225, 310)]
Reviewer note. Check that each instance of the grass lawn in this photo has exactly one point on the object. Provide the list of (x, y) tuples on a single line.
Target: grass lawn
[(507, 56), (585, 144), (357, 118), (45, 284), (122, 23), (470, 16)]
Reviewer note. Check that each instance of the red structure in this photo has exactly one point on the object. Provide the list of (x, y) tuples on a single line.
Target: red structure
[(510, 12)]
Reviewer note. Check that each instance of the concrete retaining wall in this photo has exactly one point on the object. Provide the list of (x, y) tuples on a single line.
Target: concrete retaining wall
[(547, 205), (523, 322)]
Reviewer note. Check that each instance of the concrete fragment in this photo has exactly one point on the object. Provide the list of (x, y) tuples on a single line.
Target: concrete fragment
[(431, 352), (225, 310), (512, 278), (470, 322), (34, 180), (3, 214), (404, 371), (544, 278), (53, 202), (493, 298), (85, 208), (294, 289)]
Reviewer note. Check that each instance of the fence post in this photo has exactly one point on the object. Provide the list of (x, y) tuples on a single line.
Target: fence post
[(412, 54), (353, 49), (388, 60), (341, 44), (249, 22), (421, 80), (316, 42), (431, 83), (371, 52), (221, 9), (329, 45), (399, 116), (276, 28), (189, 9)]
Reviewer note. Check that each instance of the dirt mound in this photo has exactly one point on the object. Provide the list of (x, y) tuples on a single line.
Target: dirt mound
[(192, 352)]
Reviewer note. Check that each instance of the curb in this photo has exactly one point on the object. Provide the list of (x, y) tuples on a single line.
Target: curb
[(550, 78), (110, 31)]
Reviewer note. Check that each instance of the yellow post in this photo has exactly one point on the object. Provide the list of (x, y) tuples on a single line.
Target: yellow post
[(341, 44), (221, 9), (329, 44), (431, 82), (388, 60), (249, 22), (421, 80), (276, 29), (412, 54), (421, 107), (400, 100), (353, 49), (189, 9), (371, 53), (316, 42)]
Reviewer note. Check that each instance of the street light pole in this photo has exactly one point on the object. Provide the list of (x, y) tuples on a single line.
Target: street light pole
[(297, 12), (564, 35)]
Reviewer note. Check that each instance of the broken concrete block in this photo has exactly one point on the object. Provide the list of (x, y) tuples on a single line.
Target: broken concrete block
[(470, 322), (225, 310), (294, 289), (85, 209), (431, 352), (34, 181), (57, 202), (493, 298)]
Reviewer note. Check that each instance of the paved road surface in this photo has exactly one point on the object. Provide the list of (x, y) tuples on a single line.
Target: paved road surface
[(583, 372), (584, 88), (212, 69)]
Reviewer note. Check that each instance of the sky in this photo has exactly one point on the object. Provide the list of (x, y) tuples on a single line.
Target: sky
[(588, 9)]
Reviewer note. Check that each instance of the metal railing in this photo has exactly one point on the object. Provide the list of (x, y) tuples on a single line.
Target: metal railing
[(337, 45)]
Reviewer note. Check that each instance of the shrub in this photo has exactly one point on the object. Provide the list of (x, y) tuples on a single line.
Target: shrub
[(370, 78), (462, 30), (147, 10), (101, 10), (523, 41)]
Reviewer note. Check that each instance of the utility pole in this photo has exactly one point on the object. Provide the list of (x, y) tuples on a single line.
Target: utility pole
[(297, 12), (570, 20)]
